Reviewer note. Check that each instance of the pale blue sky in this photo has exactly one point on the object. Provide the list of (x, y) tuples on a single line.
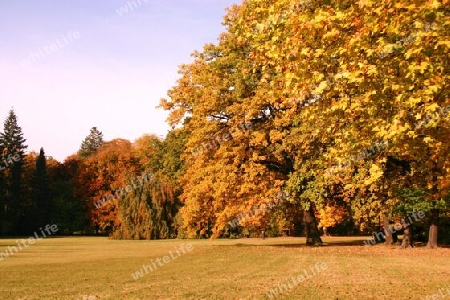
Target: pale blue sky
[(89, 66)]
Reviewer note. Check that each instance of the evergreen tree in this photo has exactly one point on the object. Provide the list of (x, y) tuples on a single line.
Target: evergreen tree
[(12, 157), (67, 210), (91, 143), (41, 192), (2, 188)]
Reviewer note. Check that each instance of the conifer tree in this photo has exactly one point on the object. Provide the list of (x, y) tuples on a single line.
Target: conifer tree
[(41, 191), (12, 156), (91, 143)]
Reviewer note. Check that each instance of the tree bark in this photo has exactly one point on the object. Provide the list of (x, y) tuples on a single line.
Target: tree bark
[(407, 241), (387, 231), (312, 232), (433, 233)]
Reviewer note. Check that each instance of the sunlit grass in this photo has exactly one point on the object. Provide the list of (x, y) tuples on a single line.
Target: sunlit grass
[(98, 268)]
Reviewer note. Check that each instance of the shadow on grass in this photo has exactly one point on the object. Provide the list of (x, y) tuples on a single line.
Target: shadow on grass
[(346, 243), (329, 244), (424, 245), (28, 236), (299, 245)]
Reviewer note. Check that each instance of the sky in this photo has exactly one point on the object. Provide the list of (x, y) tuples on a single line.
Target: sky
[(67, 66)]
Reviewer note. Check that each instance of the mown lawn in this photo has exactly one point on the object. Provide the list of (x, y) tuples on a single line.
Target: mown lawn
[(98, 268)]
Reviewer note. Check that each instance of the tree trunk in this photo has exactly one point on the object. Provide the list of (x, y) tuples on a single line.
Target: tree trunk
[(312, 232), (407, 241), (432, 235), (387, 230)]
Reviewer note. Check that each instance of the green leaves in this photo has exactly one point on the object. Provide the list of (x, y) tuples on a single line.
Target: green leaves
[(319, 85)]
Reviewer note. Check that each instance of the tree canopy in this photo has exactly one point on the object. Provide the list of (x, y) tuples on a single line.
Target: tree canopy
[(304, 115), (343, 100)]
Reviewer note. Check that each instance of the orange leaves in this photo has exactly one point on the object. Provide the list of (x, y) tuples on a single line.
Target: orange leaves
[(330, 215), (317, 85), (276, 136), (365, 3), (103, 172)]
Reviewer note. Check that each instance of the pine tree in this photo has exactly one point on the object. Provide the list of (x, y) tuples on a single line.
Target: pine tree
[(2, 188), (68, 211), (91, 143), (41, 192), (12, 157)]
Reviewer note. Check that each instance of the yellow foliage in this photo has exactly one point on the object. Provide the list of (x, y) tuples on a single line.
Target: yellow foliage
[(330, 216)]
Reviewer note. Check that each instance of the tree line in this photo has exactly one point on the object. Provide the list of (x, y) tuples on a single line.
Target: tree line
[(342, 107), (76, 194)]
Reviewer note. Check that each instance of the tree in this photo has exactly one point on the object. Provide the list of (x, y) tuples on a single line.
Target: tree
[(69, 211), (146, 212), (216, 92), (102, 180), (41, 194), (325, 86), (389, 96), (91, 143), (2, 188), (329, 216), (27, 218), (149, 211), (12, 156)]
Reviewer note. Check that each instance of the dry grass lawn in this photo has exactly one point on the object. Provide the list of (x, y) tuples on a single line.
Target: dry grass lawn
[(98, 268)]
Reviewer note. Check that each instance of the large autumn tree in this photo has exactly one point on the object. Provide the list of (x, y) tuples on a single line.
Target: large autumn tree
[(315, 87), (241, 165)]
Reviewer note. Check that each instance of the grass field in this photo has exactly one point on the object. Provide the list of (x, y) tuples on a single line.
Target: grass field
[(98, 268)]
